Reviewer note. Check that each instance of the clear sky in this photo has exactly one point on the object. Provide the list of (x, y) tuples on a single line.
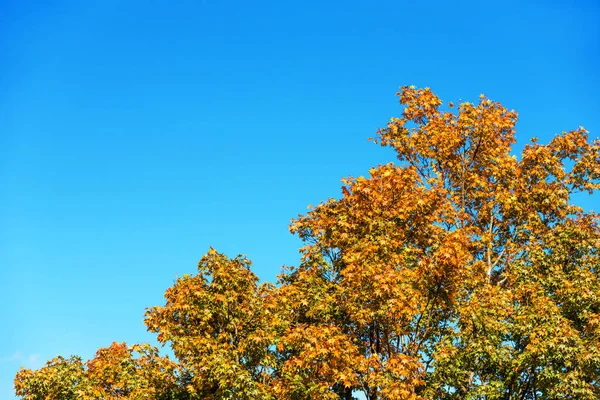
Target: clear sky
[(134, 134)]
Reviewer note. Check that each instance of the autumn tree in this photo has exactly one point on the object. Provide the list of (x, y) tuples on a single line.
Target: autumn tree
[(461, 272), (116, 372), (220, 325), (60, 378)]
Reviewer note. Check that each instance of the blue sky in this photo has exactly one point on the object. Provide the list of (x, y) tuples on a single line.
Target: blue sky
[(134, 134)]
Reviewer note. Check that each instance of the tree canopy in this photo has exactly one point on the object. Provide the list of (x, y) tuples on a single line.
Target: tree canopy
[(461, 272)]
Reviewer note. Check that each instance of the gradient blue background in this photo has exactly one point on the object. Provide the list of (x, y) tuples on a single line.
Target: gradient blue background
[(134, 134)]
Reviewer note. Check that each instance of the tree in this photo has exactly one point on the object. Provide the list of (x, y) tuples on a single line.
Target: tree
[(220, 326), (462, 272), (116, 372), (60, 378)]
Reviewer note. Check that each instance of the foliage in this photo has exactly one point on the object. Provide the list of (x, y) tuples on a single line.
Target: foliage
[(60, 378), (116, 372), (220, 326), (463, 272)]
